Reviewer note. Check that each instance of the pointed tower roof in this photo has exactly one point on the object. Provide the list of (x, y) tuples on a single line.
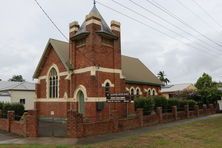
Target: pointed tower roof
[(104, 27)]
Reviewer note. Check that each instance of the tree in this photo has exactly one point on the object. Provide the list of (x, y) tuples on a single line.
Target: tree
[(161, 75), (205, 81), (207, 90), (17, 78)]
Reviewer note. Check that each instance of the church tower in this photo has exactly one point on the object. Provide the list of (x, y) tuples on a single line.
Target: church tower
[(95, 49)]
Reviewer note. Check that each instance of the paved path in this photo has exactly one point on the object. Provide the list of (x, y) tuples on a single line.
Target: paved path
[(6, 138)]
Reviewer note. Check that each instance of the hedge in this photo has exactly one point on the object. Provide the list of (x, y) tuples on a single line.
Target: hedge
[(146, 104), (151, 102), (16, 107)]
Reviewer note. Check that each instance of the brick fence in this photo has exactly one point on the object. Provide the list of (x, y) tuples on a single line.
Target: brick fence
[(76, 127), (26, 127)]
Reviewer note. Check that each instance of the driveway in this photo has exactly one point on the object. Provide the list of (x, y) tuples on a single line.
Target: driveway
[(6, 138)]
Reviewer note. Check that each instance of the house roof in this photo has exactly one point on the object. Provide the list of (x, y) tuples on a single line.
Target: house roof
[(176, 87), (136, 72), (104, 27), (133, 69), (17, 86)]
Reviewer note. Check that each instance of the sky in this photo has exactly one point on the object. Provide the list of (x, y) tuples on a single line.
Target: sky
[(182, 53)]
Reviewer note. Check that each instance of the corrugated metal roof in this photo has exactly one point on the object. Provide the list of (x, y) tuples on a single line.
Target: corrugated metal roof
[(175, 88), (9, 85)]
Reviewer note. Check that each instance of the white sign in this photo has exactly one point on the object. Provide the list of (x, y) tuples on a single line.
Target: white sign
[(220, 104)]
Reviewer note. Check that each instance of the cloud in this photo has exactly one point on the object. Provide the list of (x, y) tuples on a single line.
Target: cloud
[(25, 31)]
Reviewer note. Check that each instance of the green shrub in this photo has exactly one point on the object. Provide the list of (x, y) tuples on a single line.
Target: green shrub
[(160, 101), (191, 103), (19, 109), (1, 105), (172, 102), (16, 107), (145, 103)]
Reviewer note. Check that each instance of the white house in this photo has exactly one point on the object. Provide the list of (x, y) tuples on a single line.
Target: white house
[(18, 92)]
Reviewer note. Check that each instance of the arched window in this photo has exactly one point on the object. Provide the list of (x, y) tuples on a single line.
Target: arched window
[(137, 92), (107, 89), (132, 91), (149, 92), (53, 83), (154, 92)]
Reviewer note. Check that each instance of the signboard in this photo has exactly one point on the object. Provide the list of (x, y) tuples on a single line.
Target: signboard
[(220, 104), (119, 97)]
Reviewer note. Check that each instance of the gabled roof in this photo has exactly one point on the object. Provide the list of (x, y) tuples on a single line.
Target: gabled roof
[(176, 87), (104, 27), (18, 86), (62, 50), (136, 72), (133, 69)]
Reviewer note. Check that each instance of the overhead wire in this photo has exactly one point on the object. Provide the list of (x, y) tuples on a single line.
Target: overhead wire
[(168, 22), (194, 13), (153, 21), (153, 28), (50, 19), (207, 13), (165, 10)]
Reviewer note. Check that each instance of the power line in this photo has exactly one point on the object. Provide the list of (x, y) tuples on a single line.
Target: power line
[(153, 21), (157, 5), (168, 22), (193, 13), (157, 30), (208, 14), (51, 20)]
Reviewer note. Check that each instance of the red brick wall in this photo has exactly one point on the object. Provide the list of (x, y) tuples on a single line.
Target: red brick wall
[(26, 127), (17, 127), (3, 124), (59, 108), (97, 128)]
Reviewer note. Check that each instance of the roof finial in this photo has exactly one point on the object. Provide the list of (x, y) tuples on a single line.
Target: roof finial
[(94, 2)]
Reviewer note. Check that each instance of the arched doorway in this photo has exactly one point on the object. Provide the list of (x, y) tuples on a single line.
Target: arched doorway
[(81, 102)]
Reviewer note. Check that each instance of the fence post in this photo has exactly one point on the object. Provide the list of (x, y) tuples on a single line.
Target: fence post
[(115, 120), (205, 108), (11, 116), (31, 123), (139, 113), (211, 106), (74, 124), (187, 112), (196, 107), (174, 112), (159, 112)]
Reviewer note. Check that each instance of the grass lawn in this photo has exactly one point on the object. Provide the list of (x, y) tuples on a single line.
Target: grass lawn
[(199, 134)]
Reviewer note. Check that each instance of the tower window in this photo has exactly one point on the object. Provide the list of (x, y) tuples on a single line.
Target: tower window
[(107, 89), (108, 42), (80, 42), (53, 84)]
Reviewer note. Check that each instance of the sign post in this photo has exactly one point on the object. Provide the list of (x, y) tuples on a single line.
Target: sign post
[(119, 97)]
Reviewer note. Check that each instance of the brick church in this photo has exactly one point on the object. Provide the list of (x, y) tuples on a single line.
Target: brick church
[(76, 75)]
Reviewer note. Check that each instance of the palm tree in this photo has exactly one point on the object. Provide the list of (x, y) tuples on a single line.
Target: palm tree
[(161, 75)]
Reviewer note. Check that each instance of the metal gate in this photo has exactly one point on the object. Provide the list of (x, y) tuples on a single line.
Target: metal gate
[(52, 127)]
